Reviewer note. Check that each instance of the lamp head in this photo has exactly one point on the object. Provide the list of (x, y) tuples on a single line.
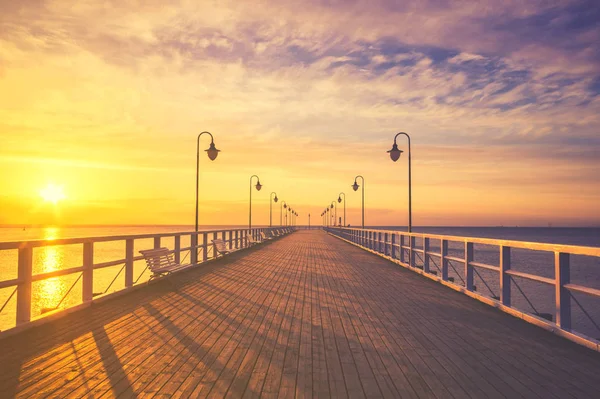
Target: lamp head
[(275, 199), (284, 206), (212, 151), (332, 205), (258, 186), (395, 152), (355, 186), (340, 199)]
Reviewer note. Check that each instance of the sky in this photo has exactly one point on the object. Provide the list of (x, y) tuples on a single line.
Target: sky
[(104, 100)]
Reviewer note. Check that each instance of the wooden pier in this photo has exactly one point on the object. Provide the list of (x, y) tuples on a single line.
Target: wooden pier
[(307, 315)]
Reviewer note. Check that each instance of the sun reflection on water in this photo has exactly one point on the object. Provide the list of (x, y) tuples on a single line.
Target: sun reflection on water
[(50, 291)]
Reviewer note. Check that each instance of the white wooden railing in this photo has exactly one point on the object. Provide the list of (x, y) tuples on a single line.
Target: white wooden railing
[(414, 251), (200, 250)]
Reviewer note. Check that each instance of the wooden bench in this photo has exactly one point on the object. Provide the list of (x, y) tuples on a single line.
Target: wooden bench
[(220, 247), (160, 262), (251, 241), (264, 236)]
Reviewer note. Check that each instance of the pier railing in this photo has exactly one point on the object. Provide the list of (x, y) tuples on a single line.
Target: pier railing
[(459, 262), (82, 260)]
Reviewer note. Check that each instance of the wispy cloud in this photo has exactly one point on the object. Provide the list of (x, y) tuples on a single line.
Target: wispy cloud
[(295, 88)]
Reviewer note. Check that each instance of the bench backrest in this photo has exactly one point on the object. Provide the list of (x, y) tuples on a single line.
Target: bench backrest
[(220, 246), (158, 258)]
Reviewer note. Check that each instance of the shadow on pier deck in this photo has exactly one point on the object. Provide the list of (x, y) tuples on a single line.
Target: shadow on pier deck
[(305, 316)]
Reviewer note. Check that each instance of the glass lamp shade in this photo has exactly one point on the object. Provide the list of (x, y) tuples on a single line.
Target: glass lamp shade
[(395, 152), (275, 199), (355, 186), (340, 200), (212, 152), (332, 206), (258, 186), (284, 206)]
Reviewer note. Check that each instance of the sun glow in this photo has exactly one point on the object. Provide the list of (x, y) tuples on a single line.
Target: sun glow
[(53, 193)]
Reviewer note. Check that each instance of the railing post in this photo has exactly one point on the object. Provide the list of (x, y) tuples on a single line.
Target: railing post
[(237, 239), (380, 242), (156, 242), (129, 262), (425, 254), (562, 273), (87, 284), (412, 252), (204, 247), (24, 286), (444, 253), (194, 249), (230, 239), (402, 248), (505, 278), (393, 249), (177, 249), (385, 243), (468, 266)]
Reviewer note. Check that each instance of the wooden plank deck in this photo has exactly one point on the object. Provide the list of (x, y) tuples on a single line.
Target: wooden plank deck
[(305, 316)]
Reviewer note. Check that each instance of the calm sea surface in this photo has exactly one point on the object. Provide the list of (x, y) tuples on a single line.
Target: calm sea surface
[(527, 295)]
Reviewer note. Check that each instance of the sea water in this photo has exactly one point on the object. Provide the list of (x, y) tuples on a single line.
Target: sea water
[(529, 296)]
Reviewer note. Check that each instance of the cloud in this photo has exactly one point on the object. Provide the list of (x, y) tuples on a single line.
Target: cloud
[(296, 89)]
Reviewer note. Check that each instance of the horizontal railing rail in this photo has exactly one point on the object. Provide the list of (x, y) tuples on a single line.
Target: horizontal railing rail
[(199, 250), (402, 248)]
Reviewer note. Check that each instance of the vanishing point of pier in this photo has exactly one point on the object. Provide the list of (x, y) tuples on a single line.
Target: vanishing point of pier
[(307, 315)]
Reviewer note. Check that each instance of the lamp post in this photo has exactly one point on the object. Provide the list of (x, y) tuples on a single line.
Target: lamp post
[(258, 187), (355, 187), (395, 155), (212, 153), (271, 199), (328, 220), (281, 207), (309, 221), (340, 200), (335, 217)]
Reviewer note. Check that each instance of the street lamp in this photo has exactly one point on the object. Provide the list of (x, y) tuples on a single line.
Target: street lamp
[(340, 200), (395, 155), (271, 207), (258, 187), (355, 187), (335, 217), (281, 207), (212, 153), (309, 221)]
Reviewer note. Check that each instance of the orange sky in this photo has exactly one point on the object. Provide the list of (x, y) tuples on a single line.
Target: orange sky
[(107, 101)]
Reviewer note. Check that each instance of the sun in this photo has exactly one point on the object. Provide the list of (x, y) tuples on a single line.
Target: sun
[(53, 193)]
